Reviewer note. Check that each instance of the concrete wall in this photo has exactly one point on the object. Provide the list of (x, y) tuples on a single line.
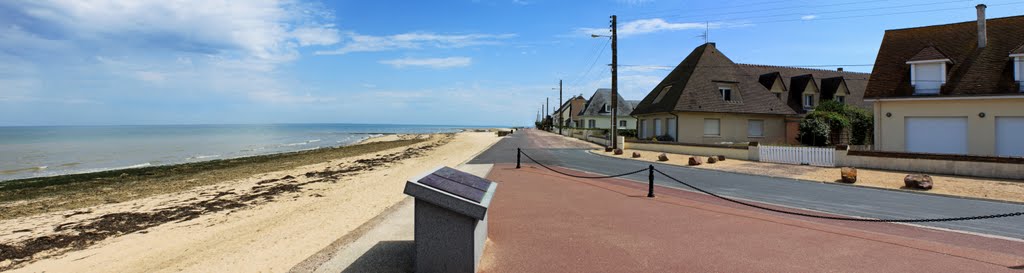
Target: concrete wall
[(742, 154), (1010, 169), (890, 132)]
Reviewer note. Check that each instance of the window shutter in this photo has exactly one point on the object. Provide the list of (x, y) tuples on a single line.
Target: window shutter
[(711, 127), (755, 128)]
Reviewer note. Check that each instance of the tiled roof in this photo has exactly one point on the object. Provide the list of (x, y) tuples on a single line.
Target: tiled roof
[(830, 86), (974, 71), (595, 105), (928, 54), (1019, 50), (694, 86)]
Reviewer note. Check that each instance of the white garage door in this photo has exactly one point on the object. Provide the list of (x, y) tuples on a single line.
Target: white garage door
[(1010, 136), (946, 135)]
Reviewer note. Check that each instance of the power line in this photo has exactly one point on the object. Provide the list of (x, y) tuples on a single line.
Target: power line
[(771, 9), (598, 57)]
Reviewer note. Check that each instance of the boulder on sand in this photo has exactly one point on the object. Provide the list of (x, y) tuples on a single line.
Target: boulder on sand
[(618, 151), (918, 181), (721, 158), (636, 155), (712, 160), (694, 161), (607, 149), (848, 174), (662, 157)]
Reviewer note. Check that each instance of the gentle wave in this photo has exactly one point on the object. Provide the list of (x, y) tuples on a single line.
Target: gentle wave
[(32, 169), (202, 157)]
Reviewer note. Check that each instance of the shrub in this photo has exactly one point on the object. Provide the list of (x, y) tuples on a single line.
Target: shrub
[(665, 138), (627, 132), (829, 120)]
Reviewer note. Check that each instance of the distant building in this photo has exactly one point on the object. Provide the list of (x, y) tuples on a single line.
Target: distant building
[(597, 113), (709, 99), (568, 113), (951, 89)]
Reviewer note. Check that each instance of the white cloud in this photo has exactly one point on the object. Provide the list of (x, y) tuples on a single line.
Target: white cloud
[(367, 43), (268, 30), (438, 63), (645, 26), (644, 68), (808, 17)]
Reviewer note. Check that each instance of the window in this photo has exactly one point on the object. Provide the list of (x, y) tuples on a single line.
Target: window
[(622, 124), (591, 123), (607, 108), (928, 77), (808, 101), (657, 127), (726, 93), (640, 133), (661, 94), (1018, 75), (755, 128), (841, 99), (712, 127)]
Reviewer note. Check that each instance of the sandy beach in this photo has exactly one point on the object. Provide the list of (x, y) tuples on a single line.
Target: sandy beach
[(266, 222)]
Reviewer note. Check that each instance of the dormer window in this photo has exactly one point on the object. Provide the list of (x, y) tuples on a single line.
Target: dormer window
[(607, 108), (928, 76), (808, 101), (726, 93), (841, 99)]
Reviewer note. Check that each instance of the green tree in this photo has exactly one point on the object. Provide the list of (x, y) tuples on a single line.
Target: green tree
[(825, 125)]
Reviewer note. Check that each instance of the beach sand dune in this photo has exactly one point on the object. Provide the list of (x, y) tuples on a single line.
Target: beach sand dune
[(280, 218)]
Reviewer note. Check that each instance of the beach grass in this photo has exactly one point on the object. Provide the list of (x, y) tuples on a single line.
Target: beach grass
[(32, 196)]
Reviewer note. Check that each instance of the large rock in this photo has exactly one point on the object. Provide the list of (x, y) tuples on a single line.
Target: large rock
[(636, 155), (712, 160), (618, 151), (662, 157), (607, 149), (694, 161), (848, 174), (721, 158), (918, 181)]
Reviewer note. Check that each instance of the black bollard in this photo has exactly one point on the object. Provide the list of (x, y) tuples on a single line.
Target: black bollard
[(650, 181), (519, 153)]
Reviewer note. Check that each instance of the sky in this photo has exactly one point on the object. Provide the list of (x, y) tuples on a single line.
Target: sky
[(452, 62)]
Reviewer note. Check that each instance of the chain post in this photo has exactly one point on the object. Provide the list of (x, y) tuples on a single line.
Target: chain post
[(519, 154), (650, 181)]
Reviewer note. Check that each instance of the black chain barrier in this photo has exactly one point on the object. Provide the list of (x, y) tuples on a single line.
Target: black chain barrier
[(580, 176), (844, 218), (652, 170)]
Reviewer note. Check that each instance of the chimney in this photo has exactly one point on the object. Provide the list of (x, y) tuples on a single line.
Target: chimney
[(982, 32), (839, 69)]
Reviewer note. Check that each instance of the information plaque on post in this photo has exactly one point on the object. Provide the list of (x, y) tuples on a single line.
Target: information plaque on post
[(451, 219)]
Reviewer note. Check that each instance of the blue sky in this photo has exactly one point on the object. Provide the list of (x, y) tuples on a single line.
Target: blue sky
[(408, 62)]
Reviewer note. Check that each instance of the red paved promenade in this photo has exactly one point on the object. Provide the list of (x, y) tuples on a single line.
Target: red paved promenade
[(541, 221)]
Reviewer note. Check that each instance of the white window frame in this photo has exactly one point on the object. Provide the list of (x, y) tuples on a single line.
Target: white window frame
[(840, 99), (718, 128), (607, 108), (808, 101), (942, 69), (623, 123), (751, 122), (592, 123), (722, 90), (1018, 70)]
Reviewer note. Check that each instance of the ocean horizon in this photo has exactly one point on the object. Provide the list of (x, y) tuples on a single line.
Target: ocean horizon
[(41, 151)]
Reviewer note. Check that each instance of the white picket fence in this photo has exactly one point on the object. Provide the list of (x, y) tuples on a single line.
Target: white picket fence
[(825, 157)]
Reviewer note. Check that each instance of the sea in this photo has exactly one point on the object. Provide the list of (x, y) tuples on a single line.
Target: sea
[(38, 151)]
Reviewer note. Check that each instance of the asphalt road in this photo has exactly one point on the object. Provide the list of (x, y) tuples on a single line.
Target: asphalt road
[(831, 198)]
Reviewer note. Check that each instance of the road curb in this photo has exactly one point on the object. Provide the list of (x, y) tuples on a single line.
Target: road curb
[(828, 183)]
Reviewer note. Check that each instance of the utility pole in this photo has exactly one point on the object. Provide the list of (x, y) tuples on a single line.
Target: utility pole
[(547, 106), (615, 86), (560, 112)]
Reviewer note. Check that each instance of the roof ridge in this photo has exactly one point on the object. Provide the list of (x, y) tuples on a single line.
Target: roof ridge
[(805, 68), (957, 23)]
